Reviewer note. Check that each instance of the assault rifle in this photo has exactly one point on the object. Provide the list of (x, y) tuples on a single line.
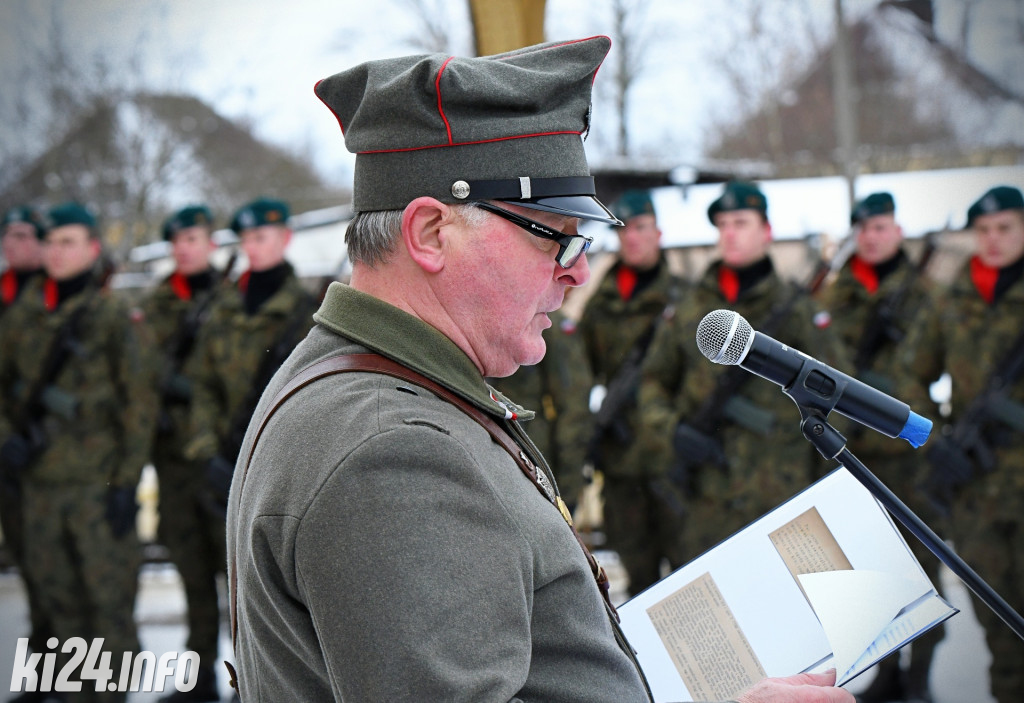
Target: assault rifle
[(966, 448), (231, 444), (44, 399), (610, 419), (884, 326), (694, 440), (220, 468), (174, 387)]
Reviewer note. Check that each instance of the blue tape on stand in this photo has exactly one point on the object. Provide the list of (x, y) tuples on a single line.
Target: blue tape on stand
[(916, 430)]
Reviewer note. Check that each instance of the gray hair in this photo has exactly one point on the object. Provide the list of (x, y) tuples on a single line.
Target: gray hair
[(372, 236)]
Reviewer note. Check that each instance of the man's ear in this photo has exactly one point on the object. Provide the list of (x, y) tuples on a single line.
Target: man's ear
[(422, 223)]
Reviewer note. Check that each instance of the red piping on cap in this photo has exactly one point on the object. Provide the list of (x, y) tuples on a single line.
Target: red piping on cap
[(336, 115), (440, 109)]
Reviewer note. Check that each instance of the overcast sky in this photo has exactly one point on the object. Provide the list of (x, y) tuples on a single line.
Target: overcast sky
[(259, 59)]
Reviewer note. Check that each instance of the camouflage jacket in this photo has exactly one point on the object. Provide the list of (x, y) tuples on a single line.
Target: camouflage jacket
[(11, 286), (609, 328), (557, 390), (102, 404), (965, 336), (165, 313), (229, 353), (850, 308), (767, 458)]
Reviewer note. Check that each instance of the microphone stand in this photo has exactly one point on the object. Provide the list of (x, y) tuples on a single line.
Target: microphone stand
[(832, 445)]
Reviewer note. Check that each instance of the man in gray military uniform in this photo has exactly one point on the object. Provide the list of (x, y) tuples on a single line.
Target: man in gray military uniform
[(392, 532)]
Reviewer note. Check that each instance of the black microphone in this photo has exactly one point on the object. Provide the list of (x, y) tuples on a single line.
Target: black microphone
[(724, 337)]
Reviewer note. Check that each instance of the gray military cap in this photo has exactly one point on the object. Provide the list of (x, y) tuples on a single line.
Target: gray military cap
[(506, 127)]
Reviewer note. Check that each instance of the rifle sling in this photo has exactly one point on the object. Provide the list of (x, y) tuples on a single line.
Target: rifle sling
[(734, 378), (57, 354), (873, 338), (1003, 375), (374, 363), (231, 443), (626, 371)]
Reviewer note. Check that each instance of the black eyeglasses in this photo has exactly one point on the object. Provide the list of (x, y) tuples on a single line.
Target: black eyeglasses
[(570, 246)]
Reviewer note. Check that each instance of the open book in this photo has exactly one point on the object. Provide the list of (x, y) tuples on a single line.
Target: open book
[(823, 581)]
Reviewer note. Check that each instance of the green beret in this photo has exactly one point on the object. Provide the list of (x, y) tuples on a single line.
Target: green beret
[(874, 204), (262, 211), (72, 213), (633, 203), (505, 127), (739, 196), (28, 215), (996, 200), (191, 216)]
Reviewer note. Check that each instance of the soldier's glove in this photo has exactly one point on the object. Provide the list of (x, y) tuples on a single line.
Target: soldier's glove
[(121, 509), (692, 448), (15, 454)]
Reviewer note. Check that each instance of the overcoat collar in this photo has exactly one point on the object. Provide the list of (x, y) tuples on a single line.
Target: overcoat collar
[(396, 334)]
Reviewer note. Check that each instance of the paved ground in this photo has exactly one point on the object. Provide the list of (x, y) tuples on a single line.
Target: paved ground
[(959, 672)]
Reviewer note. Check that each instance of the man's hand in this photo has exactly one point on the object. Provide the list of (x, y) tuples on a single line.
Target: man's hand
[(801, 688)]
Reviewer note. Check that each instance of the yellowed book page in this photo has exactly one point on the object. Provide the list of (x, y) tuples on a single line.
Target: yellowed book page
[(707, 646), (807, 546)]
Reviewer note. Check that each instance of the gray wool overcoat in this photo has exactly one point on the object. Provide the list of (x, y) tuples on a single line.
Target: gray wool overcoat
[(386, 549)]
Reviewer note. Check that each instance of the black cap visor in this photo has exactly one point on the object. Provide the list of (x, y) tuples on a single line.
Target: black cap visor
[(571, 196), (585, 207)]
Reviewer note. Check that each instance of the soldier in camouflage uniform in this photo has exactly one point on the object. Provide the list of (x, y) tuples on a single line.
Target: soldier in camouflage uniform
[(870, 306), (251, 329), (762, 459), (98, 412), (642, 513), (557, 390), (175, 310), (23, 232), (24, 229), (968, 332)]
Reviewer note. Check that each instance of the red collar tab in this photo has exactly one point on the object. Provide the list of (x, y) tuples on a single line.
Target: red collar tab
[(865, 273), (985, 279), (625, 279), (180, 286), (243, 281), (729, 283), (51, 296), (8, 286)]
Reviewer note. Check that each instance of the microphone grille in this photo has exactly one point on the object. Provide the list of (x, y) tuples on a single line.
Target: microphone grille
[(723, 337)]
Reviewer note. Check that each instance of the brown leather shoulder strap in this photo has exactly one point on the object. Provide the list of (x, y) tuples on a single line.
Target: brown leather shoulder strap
[(375, 363)]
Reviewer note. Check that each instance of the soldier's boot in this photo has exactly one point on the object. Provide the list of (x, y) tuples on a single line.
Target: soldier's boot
[(205, 690), (887, 685)]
